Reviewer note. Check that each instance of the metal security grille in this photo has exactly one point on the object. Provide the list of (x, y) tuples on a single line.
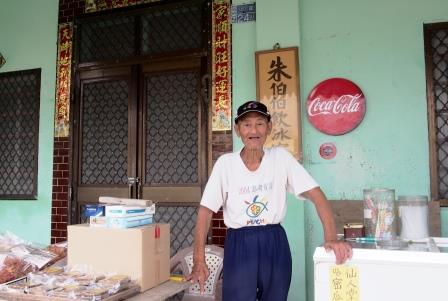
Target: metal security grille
[(436, 38), (107, 38), (172, 128), (170, 30), (156, 30), (19, 131), (104, 132), (182, 222)]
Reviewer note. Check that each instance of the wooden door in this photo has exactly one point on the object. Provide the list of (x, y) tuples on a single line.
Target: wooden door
[(172, 160), (105, 140)]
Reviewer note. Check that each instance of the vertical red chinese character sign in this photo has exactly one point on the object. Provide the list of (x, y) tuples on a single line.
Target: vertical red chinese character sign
[(221, 67), (278, 89), (63, 80)]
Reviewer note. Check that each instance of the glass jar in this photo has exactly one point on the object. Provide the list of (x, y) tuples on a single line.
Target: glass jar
[(379, 213), (413, 216)]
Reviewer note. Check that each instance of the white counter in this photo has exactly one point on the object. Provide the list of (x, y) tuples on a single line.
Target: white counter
[(412, 273)]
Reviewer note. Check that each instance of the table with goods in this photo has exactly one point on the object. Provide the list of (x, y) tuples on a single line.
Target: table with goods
[(119, 254)]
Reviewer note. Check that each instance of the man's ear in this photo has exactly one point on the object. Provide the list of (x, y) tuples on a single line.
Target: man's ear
[(269, 127), (237, 129)]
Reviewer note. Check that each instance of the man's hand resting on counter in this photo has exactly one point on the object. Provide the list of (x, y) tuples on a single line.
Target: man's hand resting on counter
[(342, 250)]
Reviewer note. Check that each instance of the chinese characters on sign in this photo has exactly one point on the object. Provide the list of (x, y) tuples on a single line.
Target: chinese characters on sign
[(278, 89), (63, 80), (221, 67), (344, 283)]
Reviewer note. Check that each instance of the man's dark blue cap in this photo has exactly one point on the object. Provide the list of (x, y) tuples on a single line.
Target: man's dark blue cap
[(252, 106)]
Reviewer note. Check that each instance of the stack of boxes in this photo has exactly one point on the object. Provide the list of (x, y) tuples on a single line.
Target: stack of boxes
[(121, 213), (122, 239)]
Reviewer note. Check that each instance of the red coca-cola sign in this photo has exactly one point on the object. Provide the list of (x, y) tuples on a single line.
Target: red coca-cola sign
[(336, 106)]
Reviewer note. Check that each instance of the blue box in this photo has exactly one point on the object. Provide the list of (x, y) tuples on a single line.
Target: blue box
[(94, 210)]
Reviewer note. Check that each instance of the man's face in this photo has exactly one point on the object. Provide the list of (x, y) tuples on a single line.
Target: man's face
[(253, 128)]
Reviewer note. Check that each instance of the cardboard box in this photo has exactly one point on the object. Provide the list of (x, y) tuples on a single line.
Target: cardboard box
[(143, 253)]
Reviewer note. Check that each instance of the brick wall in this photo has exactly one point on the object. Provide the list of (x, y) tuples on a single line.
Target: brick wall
[(221, 144), (59, 210), (68, 9)]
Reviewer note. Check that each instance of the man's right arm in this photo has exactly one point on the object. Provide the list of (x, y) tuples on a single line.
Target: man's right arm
[(200, 271)]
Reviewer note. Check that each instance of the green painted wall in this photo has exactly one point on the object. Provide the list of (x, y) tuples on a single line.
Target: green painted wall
[(444, 221), (28, 38), (379, 46)]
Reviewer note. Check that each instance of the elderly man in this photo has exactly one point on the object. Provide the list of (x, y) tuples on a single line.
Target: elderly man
[(251, 185)]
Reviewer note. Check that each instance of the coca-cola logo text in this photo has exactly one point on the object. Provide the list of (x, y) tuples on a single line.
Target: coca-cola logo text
[(344, 104), (336, 106)]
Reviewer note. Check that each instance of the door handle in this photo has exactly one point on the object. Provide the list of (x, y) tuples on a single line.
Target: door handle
[(205, 88), (138, 184), (131, 183)]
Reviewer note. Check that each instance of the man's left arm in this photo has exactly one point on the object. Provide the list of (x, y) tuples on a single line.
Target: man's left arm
[(341, 249)]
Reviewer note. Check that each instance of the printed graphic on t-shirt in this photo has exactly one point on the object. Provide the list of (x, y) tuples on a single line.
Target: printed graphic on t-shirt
[(258, 204), (256, 207)]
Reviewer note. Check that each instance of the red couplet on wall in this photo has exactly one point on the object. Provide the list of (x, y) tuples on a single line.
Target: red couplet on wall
[(336, 106)]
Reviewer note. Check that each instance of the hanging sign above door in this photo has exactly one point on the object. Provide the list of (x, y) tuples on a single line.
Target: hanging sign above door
[(336, 106)]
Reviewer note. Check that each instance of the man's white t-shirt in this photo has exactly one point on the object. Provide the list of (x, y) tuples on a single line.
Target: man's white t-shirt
[(255, 198)]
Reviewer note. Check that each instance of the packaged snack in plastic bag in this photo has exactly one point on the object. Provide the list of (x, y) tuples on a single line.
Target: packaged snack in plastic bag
[(53, 270), (69, 291), (18, 288), (33, 254), (41, 290), (8, 240), (88, 279), (13, 267), (115, 283), (94, 293)]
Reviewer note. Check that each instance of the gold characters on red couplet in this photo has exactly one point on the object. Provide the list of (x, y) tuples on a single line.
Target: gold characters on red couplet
[(221, 68)]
